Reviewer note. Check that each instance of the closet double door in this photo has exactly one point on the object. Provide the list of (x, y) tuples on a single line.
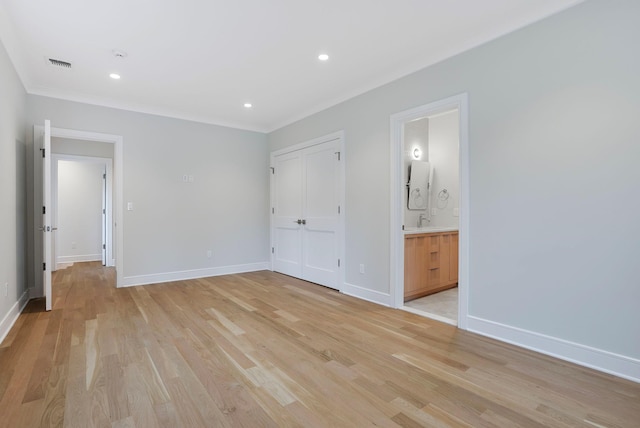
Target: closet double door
[(306, 213)]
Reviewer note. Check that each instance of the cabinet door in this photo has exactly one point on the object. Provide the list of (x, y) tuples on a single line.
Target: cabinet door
[(453, 257), (416, 264), (410, 260), (445, 262)]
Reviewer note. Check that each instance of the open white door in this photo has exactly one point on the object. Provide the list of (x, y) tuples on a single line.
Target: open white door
[(46, 213)]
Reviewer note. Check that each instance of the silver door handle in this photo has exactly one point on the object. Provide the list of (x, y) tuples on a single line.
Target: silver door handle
[(54, 228), (304, 221), (298, 221)]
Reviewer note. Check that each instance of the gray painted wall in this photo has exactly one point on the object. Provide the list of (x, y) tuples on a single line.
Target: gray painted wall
[(12, 190), (173, 223), (554, 177)]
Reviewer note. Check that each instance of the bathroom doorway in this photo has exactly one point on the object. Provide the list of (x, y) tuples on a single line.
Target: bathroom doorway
[(429, 216)]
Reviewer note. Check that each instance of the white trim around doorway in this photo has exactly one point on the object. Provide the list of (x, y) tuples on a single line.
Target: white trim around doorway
[(118, 188), (461, 103)]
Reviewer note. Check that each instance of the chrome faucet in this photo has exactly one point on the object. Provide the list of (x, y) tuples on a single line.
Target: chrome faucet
[(421, 219)]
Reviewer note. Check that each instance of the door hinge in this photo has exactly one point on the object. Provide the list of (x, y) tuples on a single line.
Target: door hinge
[(104, 176), (338, 153), (273, 210), (338, 209), (273, 250), (104, 246), (104, 211), (273, 170), (44, 266), (42, 150), (44, 210), (338, 262)]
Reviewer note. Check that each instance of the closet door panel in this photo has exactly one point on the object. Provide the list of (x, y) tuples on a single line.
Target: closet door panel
[(287, 211)]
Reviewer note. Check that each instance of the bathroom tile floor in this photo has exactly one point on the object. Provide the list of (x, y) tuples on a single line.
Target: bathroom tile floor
[(443, 304)]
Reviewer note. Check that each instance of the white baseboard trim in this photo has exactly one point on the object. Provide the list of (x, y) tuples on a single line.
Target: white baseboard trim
[(598, 359), (80, 258), (12, 316), (130, 281), (366, 294)]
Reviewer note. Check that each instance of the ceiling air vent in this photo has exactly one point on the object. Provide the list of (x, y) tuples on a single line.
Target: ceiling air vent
[(59, 63)]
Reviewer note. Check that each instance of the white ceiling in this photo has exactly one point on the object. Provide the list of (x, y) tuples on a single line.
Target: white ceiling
[(203, 59)]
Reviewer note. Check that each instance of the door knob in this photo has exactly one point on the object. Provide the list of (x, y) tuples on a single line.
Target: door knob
[(304, 221), (298, 221)]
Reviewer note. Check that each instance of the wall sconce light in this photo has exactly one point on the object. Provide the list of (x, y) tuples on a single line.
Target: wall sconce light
[(417, 153)]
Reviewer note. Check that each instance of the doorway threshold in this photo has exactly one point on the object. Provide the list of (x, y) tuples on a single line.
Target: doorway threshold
[(430, 315)]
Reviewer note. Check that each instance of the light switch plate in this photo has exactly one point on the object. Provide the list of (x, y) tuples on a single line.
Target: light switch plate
[(129, 206)]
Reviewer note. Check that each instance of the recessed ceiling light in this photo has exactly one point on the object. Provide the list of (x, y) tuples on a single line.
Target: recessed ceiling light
[(323, 57), (248, 105), (114, 76)]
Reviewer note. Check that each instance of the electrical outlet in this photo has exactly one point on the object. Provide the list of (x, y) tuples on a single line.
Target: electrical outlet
[(209, 254), (73, 245), (361, 268)]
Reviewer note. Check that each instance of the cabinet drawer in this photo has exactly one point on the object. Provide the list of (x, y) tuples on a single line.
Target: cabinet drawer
[(434, 276)]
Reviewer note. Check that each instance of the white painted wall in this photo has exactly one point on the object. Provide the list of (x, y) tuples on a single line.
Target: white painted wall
[(79, 234), (173, 224), (416, 135), (444, 156), (553, 130), (12, 194), (438, 140)]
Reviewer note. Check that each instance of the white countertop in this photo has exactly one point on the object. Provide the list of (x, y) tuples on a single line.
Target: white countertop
[(428, 229)]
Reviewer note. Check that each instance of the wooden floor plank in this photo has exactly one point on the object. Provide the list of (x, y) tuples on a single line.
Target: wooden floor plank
[(263, 349)]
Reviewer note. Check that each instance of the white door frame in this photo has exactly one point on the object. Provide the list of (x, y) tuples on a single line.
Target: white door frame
[(339, 135), (118, 187), (461, 103), (108, 165)]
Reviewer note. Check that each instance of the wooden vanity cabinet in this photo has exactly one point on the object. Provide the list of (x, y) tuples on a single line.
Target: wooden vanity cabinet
[(430, 263)]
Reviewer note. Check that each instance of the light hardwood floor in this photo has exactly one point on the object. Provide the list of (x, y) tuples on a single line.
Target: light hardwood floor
[(264, 350)]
